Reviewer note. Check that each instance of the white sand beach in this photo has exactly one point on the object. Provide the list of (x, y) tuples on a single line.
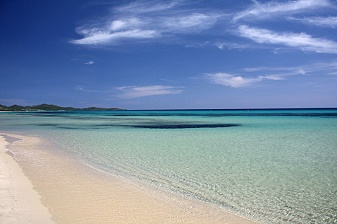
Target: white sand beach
[(19, 202), (76, 193)]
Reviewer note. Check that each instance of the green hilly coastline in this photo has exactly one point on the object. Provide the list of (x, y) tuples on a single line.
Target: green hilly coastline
[(50, 107)]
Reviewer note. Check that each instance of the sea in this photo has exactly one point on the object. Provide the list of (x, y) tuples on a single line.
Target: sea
[(273, 166)]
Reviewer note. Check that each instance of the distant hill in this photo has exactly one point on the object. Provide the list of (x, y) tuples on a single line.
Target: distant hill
[(50, 107)]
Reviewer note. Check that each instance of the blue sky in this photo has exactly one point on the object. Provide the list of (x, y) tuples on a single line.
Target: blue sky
[(160, 54)]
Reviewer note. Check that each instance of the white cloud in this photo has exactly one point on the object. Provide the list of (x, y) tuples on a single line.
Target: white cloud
[(253, 75), (188, 23), (230, 45), (146, 20), (275, 77), (84, 89), (106, 37), (89, 62), (330, 21), (128, 92), (226, 79), (321, 68), (265, 10), (170, 22), (222, 45), (280, 73), (139, 7), (125, 23), (301, 41), (284, 71)]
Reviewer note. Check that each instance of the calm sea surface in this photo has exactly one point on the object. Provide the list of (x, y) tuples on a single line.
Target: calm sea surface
[(274, 166)]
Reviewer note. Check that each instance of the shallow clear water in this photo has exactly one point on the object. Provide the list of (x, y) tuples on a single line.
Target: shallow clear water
[(275, 166)]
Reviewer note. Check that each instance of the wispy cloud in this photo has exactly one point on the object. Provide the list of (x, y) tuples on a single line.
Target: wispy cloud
[(85, 89), (226, 79), (140, 7), (321, 68), (128, 92), (252, 76), (222, 45), (104, 36), (281, 12), (330, 21), (277, 73), (230, 45), (189, 23), (238, 81), (272, 9), (146, 20), (156, 21), (301, 41)]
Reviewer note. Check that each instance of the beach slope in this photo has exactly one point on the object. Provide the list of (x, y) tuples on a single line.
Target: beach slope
[(76, 193), (19, 202)]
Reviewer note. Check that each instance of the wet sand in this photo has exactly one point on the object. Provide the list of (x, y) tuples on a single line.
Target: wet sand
[(76, 193)]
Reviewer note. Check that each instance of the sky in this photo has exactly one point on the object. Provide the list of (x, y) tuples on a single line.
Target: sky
[(169, 54)]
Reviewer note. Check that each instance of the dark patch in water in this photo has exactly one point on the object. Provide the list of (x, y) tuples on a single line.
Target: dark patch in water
[(46, 125), (184, 126), (74, 128), (146, 125)]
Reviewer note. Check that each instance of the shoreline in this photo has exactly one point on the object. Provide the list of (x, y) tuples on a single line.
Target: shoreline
[(20, 203), (76, 193)]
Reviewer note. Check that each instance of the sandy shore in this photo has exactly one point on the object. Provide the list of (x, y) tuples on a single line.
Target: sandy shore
[(75, 193), (19, 202)]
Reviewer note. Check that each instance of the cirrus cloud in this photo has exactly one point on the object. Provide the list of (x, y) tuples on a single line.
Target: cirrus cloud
[(272, 9), (146, 20), (140, 7), (252, 76), (104, 37), (301, 41), (330, 21)]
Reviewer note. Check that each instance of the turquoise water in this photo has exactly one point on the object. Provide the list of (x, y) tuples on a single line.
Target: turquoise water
[(274, 166)]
